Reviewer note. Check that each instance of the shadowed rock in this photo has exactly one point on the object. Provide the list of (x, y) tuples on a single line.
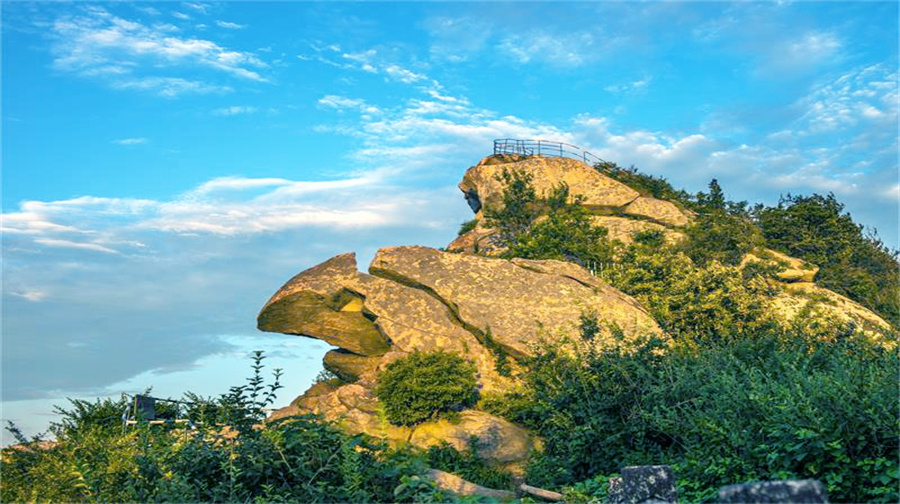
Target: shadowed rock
[(795, 491)]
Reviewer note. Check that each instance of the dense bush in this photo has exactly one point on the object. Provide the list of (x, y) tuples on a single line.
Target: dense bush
[(706, 302), (297, 459), (776, 406), (553, 226), (423, 386), (814, 228)]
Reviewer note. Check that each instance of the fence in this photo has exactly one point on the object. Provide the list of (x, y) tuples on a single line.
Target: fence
[(544, 148)]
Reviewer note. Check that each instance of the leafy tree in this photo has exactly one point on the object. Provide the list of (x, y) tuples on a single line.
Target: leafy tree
[(816, 229), (423, 386), (723, 231)]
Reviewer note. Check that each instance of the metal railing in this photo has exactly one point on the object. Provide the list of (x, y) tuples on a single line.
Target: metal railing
[(543, 148)]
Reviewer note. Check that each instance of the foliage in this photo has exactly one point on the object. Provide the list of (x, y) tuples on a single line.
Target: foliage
[(467, 226), (555, 226), (296, 459), (815, 229), (647, 185), (723, 231), (776, 406), (707, 302), (467, 465), (423, 386)]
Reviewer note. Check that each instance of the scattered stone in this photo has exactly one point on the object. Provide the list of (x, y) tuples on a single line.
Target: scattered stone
[(790, 491), (643, 485)]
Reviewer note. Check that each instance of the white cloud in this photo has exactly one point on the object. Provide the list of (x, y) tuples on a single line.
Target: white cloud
[(230, 26), (180, 15), (31, 295), (197, 7), (169, 87), (52, 242), (131, 141), (796, 55), (235, 110), (567, 49), (398, 73), (101, 44)]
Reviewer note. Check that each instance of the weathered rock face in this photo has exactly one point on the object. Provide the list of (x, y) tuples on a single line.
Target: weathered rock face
[(807, 302), (791, 269), (656, 210), (518, 302), (417, 298)]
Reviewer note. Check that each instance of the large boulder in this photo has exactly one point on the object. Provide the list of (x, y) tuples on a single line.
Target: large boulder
[(486, 310), (515, 304), (656, 210)]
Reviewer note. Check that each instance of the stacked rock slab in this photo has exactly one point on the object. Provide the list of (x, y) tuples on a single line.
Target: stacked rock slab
[(418, 298)]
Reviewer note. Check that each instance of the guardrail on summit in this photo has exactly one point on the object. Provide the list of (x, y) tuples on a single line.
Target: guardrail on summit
[(544, 148)]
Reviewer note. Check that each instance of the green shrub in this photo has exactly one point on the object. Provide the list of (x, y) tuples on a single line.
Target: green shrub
[(554, 226), (775, 406), (853, 263), (467, 465), (296, 459), (647, 185), (467, 226), (423, 386)]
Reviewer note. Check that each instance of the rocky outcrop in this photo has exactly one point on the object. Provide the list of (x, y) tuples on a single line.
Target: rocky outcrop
[(483, 186), (623, 229), (807, 303), (788, 269), (789, 491), (514, 303), (617, 207), (418, 298), (656, 210)]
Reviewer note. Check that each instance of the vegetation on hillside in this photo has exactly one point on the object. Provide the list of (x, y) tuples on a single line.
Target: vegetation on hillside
[(779, 405), (222, 458), (735, 396)]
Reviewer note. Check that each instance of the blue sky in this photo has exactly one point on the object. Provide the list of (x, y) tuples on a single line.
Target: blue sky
[(167, 166)]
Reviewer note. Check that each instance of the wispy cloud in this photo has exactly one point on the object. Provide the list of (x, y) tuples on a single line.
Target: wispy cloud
[(131, 141), (98, 43), (398, 73), (181, 15), (169, 87), (52, 242), (197, 7), (342, 103), (572, 49), (235, 110), (230, 26), (30, 295), (801, 53)]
